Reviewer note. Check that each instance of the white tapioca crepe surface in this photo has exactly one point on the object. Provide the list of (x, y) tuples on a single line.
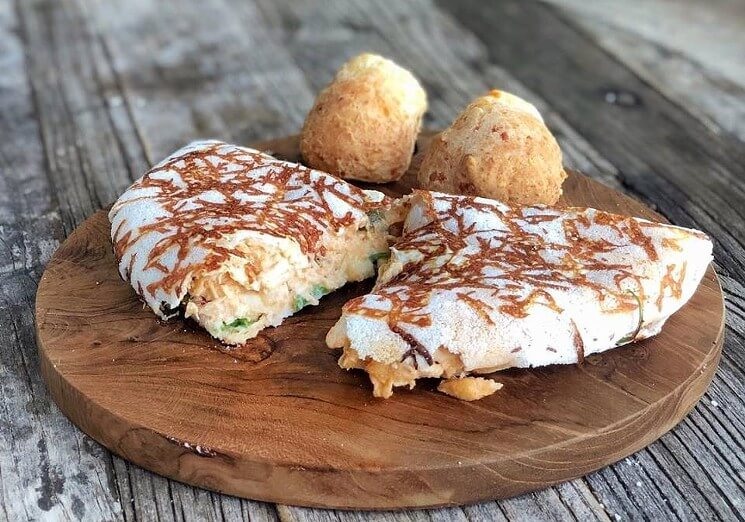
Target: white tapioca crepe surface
[(249, 238), (474, 286)]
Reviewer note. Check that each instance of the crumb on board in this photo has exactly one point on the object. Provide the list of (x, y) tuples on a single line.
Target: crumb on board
[(469, 388)]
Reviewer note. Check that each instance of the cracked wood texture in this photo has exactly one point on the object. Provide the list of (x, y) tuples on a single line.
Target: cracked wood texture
[(645, 96)]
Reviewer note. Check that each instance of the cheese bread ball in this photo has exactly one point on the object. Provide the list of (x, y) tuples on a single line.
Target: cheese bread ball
[(498, 148), (364, 125)]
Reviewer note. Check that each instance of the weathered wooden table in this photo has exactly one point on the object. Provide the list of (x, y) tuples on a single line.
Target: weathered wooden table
[(647, 98)]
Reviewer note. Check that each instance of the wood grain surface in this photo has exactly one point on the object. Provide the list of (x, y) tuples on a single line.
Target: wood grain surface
[(277, 420), (92, 93)]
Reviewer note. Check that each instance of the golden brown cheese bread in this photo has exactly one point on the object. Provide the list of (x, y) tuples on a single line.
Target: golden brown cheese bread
[(498, 148), (364, 125)]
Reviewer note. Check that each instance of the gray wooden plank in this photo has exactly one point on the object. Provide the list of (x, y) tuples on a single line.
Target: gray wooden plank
[(48, 468), (713, 99), (539, 505), (707, 32), (581, 501), (181, 79), (86, 167), (456, 514)]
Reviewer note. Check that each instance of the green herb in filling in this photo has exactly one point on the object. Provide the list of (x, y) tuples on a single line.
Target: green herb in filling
[(317, 291), (241, 322), (299, 303)]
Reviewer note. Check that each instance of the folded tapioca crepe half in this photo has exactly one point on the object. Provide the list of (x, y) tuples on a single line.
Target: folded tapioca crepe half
[(474, 286), (238, 240)]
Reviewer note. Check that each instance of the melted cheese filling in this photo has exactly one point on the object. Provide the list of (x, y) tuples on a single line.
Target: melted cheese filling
[(268, 279)]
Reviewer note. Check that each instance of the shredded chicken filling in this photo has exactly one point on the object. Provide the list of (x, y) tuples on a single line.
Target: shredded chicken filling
[(270, 278)]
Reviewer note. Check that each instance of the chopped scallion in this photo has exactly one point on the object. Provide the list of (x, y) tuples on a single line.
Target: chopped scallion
[(241, 322)]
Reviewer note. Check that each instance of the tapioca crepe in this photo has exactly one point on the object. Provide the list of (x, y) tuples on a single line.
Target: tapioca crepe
[(239, 240), (474, 286)]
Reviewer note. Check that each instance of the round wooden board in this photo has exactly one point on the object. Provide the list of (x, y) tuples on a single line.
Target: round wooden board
[(278, 420)]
